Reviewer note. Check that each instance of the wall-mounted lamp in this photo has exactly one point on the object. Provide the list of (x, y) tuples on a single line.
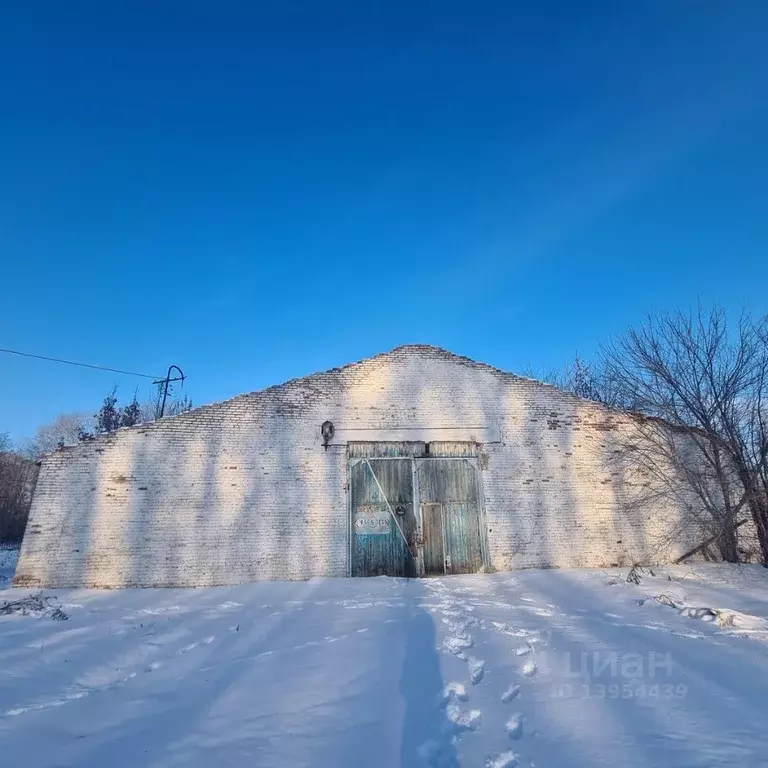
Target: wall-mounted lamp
[(326, 430)]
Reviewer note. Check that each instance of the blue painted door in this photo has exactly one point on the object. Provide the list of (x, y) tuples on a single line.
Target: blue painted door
[(448, 495), (383, 520)]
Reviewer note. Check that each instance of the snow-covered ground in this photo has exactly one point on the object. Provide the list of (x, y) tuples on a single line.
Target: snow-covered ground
[(548, 668)]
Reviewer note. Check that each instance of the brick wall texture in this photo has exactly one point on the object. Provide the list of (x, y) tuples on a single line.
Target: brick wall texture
[(243, 490)]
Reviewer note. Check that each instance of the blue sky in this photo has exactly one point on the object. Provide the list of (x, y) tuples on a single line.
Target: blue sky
[(256, 191)]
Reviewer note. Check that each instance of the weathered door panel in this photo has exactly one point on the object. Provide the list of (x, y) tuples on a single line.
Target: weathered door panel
[(453, 485), (373, 450), (452, 449), (380, 487), (442, 480), (462, 534), (432, 533)]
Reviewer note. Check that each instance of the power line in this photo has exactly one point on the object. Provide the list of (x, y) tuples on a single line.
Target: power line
[(81, 365)]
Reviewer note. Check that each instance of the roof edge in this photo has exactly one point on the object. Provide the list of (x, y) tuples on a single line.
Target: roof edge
[(437, 352)]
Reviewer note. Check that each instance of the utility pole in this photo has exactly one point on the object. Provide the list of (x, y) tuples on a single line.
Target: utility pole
[(166, 381)]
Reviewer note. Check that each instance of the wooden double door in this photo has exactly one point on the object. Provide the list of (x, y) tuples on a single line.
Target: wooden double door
[(417, 514)]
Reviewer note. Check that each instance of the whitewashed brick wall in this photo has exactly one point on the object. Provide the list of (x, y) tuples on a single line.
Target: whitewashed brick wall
[(243, 490)]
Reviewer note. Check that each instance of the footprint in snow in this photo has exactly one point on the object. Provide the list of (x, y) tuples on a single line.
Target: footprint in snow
[(460, 719), (511, 693), (515, 726), (502, 760), (455, 644), (529, 668), (476, 669), (453, 691)]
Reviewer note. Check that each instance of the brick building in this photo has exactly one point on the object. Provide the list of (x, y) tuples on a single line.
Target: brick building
[(415, 461)]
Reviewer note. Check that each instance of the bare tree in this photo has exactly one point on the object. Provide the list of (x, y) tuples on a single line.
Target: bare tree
[(708, 381), (588, 380), (65, 429), (676, 468), (17, 481), (697, 388)]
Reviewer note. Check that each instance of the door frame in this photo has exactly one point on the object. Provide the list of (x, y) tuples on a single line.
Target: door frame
[(474, 462)]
